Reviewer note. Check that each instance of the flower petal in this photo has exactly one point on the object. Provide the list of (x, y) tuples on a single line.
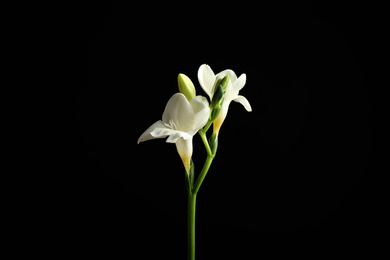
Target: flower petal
[(162, 132), (175, 135), (232, 75), (240, 83), (178, 113), (243, 101), (221, 117), (184, 148), (229, 94), (206, 79), (147, 134), (201, 109)]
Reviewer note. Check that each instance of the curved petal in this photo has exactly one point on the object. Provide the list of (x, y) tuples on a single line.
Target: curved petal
[(162, 132), (240, 83), (229, 94), (201, 109), (175, 135), (147, 134), (243, 101), (193, 132), (232, 75), (221, 117), (178, 113), (206, 79)]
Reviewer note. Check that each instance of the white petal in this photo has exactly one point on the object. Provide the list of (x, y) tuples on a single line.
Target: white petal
[(240, 83), (243, 101), (201, 109), (147, 134), (184, 148), (206, 79), (221, 117), (178, 113), (175, 135), (162, 132), (229, 94), (232, 75)]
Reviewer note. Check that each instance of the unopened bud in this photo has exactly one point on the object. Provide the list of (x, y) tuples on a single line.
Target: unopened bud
[(219, 92), (186, 87), (217, 98), (216, 103), (224, 82)]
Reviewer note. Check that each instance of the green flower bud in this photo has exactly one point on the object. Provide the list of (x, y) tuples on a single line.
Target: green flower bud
[(217, 98), (216, 85), (224, 82), (220, 89), (186, 87)]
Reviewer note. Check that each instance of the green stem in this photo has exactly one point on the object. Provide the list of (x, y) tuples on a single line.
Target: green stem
[(192, 193), (191, 225), (203, 173), (205, 142), (207, 126)]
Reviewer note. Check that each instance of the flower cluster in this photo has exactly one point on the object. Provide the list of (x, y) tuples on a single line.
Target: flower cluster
[(185, 113)]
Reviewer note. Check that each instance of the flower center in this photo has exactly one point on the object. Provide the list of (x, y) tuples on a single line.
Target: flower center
[(171, 125)]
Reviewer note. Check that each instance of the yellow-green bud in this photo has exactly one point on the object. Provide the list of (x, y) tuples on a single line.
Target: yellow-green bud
[(186, 87)]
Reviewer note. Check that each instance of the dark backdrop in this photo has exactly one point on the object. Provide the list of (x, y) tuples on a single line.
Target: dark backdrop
[(290, 178)]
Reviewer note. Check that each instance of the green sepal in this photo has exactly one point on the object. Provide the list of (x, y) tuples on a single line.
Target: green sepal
[(192, 173), (213, 142), (187, 180), (189, 177)]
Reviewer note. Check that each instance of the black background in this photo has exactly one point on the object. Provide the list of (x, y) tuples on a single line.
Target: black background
[(291, 178)]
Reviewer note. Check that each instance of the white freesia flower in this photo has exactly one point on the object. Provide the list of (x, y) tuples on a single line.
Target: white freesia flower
[(181, 120), (207, 79)]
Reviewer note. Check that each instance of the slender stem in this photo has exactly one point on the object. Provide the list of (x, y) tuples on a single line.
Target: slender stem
[(202, 174), (205, 142), (191, 225), (192, 193), (192, 205), (207, 126)]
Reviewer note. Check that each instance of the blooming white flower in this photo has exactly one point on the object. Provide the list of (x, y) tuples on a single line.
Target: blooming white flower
[(181, 120), (207, 80)]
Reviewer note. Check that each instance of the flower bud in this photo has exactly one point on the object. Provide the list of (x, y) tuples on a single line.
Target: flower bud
[(217, 98), (224, 82), (220, 90), (186, 87)]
